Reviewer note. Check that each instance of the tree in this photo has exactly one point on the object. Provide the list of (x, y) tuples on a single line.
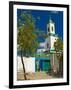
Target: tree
[(58, 47), (59, 53), (26, 37)]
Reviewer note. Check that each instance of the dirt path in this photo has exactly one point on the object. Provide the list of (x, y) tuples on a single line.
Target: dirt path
[(33, 76)]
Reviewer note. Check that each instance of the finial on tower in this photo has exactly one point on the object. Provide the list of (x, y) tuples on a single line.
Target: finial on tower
[(50, 20)]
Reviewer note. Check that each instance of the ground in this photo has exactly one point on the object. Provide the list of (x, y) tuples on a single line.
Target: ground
[(33, 76)]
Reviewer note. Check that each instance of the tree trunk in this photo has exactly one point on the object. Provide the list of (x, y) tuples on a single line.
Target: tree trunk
[(23, 66)]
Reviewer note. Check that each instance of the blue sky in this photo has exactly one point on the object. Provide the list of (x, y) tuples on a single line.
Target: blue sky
[(42, 18)]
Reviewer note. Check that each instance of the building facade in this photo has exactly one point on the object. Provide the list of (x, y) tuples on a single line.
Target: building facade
[(51, 62), (43, 63), (51, 36), (48, 45)]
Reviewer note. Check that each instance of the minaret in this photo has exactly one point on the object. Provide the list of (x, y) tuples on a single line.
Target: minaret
[(51, 27), (51, 36)]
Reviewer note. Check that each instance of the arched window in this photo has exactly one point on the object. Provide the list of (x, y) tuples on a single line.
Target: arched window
[(52, 28)]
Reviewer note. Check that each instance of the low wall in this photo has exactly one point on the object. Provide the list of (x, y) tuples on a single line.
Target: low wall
[(28, 62)]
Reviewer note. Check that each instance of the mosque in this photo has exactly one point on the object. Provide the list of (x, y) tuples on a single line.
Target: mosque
[(44, 64), (48, 45)]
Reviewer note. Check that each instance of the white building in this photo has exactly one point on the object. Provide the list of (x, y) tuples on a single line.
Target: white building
[(41, 47), (48, 45), (52, 37)]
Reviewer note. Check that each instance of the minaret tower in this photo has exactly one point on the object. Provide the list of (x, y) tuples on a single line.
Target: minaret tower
[(50, 27), (51, 36)]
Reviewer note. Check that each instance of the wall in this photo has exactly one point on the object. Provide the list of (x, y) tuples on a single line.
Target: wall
[(4, 44), (52, 41), (28, 62)]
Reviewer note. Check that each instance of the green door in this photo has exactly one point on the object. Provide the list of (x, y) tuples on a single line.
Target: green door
[(46, 65)]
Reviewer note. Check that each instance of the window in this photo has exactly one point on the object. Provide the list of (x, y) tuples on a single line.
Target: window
[(52, 28)]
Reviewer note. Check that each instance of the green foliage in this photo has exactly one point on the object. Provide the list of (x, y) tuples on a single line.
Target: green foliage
[(59, 48), (58, 45), (27, 38)]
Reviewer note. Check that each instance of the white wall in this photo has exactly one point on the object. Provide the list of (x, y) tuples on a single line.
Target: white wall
[(4, 46), (52, 40), (28, 62), (47, 41)]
